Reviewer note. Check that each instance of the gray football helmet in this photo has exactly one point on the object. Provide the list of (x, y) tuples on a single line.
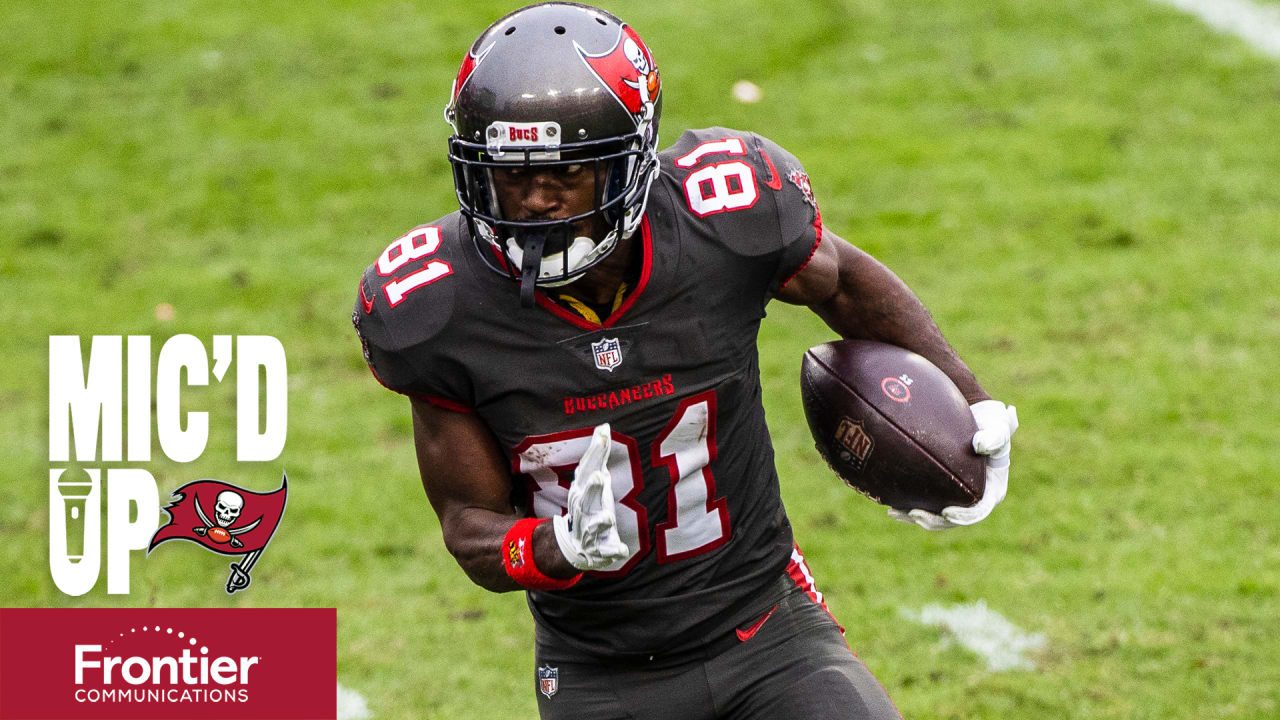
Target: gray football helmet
[(550, 85)]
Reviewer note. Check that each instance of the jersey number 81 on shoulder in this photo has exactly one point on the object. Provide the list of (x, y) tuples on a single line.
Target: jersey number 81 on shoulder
[(418, 243), (719, 187)]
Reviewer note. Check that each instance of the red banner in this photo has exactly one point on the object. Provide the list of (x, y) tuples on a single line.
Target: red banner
[(222, 517), (278, 663)]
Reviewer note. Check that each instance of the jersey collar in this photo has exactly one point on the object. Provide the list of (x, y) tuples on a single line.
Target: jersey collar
[(574, 318)]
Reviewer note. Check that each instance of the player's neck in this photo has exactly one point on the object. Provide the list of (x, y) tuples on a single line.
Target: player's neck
[(599, 285)]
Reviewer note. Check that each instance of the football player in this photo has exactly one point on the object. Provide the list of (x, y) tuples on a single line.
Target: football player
[(578, 343)]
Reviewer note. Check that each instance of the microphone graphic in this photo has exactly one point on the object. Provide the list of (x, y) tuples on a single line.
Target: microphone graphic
[(74, 486)]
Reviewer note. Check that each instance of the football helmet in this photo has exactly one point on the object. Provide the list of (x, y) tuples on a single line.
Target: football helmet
[(546, 87)]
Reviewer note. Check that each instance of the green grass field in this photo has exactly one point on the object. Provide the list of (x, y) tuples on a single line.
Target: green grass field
[(1086, 194)]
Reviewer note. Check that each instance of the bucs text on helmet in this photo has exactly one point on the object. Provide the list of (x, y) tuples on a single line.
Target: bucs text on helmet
[(547, 87)]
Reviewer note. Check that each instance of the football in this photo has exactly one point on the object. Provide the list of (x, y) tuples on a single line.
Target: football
[(891, 425)]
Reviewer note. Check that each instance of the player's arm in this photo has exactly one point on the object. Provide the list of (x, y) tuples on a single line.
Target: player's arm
[(469, 486), (467, 482), (858, 297)]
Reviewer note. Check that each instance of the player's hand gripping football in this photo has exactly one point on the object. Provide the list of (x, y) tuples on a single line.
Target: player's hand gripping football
[(588, 533), (996, 424)]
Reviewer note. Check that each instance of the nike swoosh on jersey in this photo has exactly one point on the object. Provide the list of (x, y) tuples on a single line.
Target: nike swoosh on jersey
[(368, 304), (775, 180), (745, 635)]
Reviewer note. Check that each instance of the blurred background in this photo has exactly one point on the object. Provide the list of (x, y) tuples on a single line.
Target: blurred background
[(1086, 194)]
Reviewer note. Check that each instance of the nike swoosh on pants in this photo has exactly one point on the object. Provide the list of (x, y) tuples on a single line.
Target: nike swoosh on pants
[(745, 635)]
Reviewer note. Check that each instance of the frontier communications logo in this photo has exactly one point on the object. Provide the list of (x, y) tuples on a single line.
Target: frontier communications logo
[(106, 676), (145, 663)]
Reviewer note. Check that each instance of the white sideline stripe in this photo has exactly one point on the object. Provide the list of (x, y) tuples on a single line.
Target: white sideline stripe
[(983, 631), (351, 705), (1257, 25)]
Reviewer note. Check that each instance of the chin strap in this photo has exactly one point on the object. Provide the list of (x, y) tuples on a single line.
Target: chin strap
[(530, 264)]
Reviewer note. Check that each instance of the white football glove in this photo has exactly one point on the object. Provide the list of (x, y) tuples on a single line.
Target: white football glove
[(996, 423), (588, 534)]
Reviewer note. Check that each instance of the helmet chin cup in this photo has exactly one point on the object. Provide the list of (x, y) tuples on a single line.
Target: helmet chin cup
[(555, 270)]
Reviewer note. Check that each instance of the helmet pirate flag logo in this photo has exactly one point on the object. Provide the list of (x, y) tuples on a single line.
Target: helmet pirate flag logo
[(225, 519), (628, 70), (474, 57)]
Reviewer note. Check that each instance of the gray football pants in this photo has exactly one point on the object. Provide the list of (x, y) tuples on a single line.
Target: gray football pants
[(796, 667)]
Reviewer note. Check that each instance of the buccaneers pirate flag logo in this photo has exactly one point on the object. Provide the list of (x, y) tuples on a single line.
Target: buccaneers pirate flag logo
[(628, 70), (226, 519)]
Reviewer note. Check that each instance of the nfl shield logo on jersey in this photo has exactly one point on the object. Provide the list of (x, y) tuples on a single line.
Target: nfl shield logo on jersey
[(607, 353), (548, 680)]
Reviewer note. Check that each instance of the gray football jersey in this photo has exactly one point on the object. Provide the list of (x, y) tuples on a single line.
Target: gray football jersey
[(674, 371)]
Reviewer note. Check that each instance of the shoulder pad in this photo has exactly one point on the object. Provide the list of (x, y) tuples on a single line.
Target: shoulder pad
[(705, 146), (797, 208), (741, 188), (408, 296)]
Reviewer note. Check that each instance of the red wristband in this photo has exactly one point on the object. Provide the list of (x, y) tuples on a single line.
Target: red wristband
[(517, 558)]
